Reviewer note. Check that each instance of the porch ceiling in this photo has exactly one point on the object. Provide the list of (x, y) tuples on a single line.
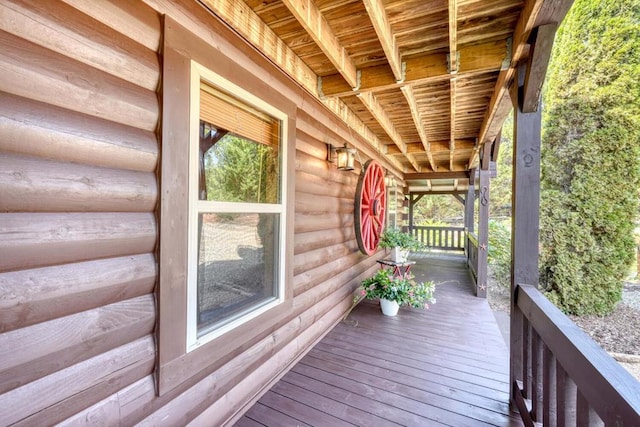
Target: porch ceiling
[(384, 67)]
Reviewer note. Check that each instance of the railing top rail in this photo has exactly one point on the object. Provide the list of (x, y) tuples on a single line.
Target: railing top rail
[(437, 227), (610, 390), (472, 238)]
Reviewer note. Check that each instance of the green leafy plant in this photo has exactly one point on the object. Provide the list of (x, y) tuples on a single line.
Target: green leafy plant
[(393, 237), (405, 291)]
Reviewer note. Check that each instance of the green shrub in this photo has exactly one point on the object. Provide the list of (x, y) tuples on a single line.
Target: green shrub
[(591, 147), (499, 254)]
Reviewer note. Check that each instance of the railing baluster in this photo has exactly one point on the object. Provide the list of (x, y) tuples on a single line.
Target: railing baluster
[(565, 398), (526, 360), (585, 415), (537, 371), (549, 417)]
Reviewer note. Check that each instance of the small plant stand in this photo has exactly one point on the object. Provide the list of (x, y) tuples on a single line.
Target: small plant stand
[(398, 267)]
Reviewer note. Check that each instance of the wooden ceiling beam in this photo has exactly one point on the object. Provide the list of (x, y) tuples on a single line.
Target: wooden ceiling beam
[(495, 148), (453, 36), (423, 191), (453, 70), (248, 24), (452, 121), (310, 17), (407, 91), (316, 25), (428, 68), (436, 175), (380, 21), (412, 148), (539, 58), (534, 13), (378, 16), (379, 113), (500, 103), (354, 122), (413, 162)]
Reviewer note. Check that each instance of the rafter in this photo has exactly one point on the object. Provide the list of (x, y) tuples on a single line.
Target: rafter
[(534, 13), (413, 162), (378, 16), (436, 175), (312, 20), (537, 67), (407, 91), (427, 68), (453, 36), (310, 17), (452, 121), (349, 117), (500, 103), (378, 112), (245, 21), (423, 191)]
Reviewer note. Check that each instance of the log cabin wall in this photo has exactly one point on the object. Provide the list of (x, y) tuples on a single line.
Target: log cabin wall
[(79, 155)]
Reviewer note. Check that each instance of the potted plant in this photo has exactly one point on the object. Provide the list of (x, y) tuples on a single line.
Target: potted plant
[(400, 243), (394, 291)]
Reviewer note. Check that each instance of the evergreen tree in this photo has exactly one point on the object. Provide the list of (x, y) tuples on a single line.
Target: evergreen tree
[(590, 157), (240, 170)]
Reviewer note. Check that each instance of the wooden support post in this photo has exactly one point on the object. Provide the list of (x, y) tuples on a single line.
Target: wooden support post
[(525, 215), (483, 231), (413, 199), (469, 219)]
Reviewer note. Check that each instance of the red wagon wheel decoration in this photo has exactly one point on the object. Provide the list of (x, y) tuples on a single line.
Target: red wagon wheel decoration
[(370, 207)]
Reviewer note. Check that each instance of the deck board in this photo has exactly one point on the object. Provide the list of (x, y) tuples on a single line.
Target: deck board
[(444, 366)]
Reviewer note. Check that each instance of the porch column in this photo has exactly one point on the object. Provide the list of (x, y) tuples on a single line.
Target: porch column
[(469, 219), (525, 218), (483, 228), (412, 202)]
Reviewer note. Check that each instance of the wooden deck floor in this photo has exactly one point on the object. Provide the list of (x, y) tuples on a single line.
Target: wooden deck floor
[(444, 366)]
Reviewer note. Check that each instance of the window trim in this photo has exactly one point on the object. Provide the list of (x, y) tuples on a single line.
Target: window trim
[(175, 367), (200, 74)]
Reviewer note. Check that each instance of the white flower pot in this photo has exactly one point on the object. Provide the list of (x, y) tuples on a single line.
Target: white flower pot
[(389, 308), (399, 255)]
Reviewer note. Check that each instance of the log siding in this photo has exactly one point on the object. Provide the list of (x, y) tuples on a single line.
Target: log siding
[(80, 152)]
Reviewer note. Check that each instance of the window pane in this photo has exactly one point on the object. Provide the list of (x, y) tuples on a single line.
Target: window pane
[(237, 169), (237, 266)]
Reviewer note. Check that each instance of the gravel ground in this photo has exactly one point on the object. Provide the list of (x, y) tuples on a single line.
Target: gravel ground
[(617, 333)]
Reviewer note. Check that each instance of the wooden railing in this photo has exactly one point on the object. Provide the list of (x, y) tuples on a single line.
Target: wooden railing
[(442, 238), (472, 253), (567, 379)]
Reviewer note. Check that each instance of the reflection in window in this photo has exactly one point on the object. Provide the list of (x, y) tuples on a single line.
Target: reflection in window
[(236, 258), (239, 170)]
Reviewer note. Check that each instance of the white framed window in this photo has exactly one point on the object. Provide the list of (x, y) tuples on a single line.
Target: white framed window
[(237, 207)]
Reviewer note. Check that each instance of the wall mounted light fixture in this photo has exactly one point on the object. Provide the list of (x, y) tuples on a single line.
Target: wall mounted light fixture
[(344, 157)]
